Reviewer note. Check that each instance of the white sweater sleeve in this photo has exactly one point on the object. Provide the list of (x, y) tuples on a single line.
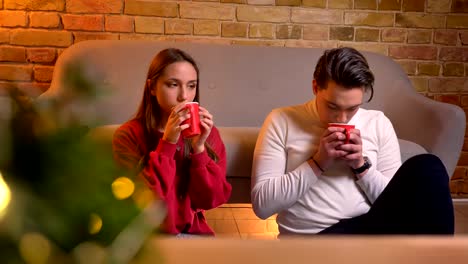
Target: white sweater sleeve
[(274, 189), (387, 163)]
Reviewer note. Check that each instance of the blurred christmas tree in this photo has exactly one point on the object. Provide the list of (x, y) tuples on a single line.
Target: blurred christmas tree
[(67, 195)]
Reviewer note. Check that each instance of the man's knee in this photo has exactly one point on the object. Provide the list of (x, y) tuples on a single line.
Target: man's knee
[(427, 166)]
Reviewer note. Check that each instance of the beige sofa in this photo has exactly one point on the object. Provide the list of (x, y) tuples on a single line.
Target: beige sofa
[(241, 84)]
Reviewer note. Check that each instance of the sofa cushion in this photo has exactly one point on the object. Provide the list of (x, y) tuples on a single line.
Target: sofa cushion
[(409, 149)]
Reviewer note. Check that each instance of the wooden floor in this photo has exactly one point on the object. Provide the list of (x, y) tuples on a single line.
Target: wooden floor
[(239, 221)]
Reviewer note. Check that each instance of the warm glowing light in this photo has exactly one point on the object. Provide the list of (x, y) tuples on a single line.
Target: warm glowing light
[(89, 252), (123, 188), (143, 196), (95, 224), (34, 248), (5, 196)]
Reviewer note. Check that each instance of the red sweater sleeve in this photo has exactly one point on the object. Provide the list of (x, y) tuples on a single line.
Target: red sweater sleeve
[(208, 185), (129, 148)]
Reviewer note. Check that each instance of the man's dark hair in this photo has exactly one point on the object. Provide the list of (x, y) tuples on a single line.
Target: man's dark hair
[(346, 67)]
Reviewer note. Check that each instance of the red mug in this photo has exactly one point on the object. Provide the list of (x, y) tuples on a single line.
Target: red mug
[(345, 126), (194, 121)]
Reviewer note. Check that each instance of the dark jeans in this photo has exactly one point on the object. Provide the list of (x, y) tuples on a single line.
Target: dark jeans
[(416, 201)]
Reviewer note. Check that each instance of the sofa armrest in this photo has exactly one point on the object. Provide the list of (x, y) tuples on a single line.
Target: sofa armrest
[(438, 127)]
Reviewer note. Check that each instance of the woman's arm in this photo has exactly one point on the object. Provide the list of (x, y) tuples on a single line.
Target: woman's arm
[(208, 186), (158, 172)]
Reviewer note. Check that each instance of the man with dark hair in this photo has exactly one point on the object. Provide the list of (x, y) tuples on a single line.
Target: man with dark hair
[(322, 179)]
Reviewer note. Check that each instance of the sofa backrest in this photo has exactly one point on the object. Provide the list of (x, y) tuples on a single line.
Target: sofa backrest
[(241, 84)]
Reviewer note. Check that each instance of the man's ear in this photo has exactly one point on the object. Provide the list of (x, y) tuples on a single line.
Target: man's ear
[(314, 87)]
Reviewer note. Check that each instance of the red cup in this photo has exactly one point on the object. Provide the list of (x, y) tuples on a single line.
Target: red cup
[(194, 121), (346, 127)]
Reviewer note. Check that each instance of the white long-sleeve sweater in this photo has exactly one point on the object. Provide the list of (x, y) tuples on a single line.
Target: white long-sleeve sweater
[(284, 183)]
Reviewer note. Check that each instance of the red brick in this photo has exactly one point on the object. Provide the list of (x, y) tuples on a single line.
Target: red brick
[(307, 3), (416, 20), (42, 5), (390, 5), (94, 6), (269, 14), (454, 69), (15, 54), (41, 38), (236, 1), (448, 98), (448, 85), (83, 22), (460, 173), (413, 5), (465, 148), (413, 52), (315, 32), (365, 4), (43, 73), (428, 68), (178, 27), (371, 19), (82, 36), (119, 23), (464, 102), (212, 28), (149, 25), (367, 34), (463, 161), (438, 6), (418, 36), (340, 4), (459, 188), (445, 37), (271, 2), (15, 72), (457, 21), (342, 33), (393, 35), (41, 55), (4, 35), (459, 6), (453, 54), (13, 19), (288, 2), (44, 20), (464, 37), (163, 9), (232, 30), (288, 31)]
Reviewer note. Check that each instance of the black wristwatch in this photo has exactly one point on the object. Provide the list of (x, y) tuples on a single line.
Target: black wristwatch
[(367, 164)]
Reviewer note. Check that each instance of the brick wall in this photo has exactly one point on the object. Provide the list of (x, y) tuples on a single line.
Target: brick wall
[(428, 38)]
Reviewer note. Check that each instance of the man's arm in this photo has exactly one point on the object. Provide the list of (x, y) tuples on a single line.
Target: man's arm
[(273, 190), (388, 160)]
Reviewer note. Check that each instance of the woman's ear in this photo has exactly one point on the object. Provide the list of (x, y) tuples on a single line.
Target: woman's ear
[(148, 84)]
